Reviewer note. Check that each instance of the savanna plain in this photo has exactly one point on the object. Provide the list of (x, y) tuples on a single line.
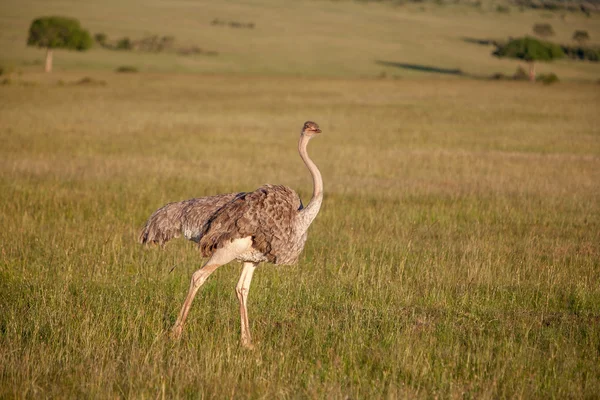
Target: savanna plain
[(456, 255), (456, 252)]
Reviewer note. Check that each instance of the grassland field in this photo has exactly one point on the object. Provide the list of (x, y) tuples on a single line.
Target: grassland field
[(456, 255), (303, 38)]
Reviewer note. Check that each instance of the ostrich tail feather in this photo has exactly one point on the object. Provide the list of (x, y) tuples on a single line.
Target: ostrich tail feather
[(163, 225)]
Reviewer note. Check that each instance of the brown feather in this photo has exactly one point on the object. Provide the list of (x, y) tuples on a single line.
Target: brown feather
[(188, 217), (267, 215)]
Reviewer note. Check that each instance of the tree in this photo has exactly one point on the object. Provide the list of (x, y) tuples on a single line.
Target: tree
[(543, 30), (530, 50), (100, 38), (124, 44), (581, 37), (58, 33)]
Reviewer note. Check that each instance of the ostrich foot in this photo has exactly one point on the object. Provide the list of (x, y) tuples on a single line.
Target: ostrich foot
[(246, 344), (176, 332)]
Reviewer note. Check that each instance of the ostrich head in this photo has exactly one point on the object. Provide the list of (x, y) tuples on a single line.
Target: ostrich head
[(310, 129)]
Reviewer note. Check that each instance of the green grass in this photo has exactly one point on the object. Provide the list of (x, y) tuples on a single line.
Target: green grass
[(456, 254), (305, 37)]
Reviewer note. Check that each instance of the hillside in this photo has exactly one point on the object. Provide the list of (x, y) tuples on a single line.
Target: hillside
[(309, 38)]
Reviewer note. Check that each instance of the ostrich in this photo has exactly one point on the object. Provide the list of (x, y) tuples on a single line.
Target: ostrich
[(269, 224)]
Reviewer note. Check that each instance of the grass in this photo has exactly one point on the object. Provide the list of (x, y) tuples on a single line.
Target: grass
[(456, 253), (298, 38)]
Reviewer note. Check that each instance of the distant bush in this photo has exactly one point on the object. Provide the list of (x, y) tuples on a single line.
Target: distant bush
[(555, 5), (87, 81), (582, 53), (520, 74), (195, 50), (100, 38), (156, 44), (124, 44), (502, 9), (547, 79), (581, 36), (126, 69), (233, 24), (153, 44), (543, 30)]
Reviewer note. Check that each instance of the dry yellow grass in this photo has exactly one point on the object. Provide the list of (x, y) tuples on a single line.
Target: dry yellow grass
[(456, 254)]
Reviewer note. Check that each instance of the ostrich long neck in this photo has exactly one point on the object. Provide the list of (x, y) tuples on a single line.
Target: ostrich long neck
[(308, 213)]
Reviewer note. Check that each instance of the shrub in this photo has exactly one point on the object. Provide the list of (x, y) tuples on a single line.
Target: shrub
[(592, 55), (100, 38), (548, 79), (581, 36), (520, 74), (126, 69), (233, 24), (498, 76), (124, 44), (543, 30), (87, 81), (502, 9), (582, 53), (153, 43), (167, 42)]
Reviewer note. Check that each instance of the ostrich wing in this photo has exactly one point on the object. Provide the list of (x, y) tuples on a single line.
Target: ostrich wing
[(188, 217), (267, 215)]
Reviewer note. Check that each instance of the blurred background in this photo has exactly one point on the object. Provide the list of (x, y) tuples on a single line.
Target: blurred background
[(341, 38)]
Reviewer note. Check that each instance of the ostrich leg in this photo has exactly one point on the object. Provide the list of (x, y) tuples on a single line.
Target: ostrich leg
[(220, 257), (198, 280), (242, 289)]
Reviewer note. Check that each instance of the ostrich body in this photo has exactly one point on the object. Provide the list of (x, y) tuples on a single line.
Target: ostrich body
[(266, 225)]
